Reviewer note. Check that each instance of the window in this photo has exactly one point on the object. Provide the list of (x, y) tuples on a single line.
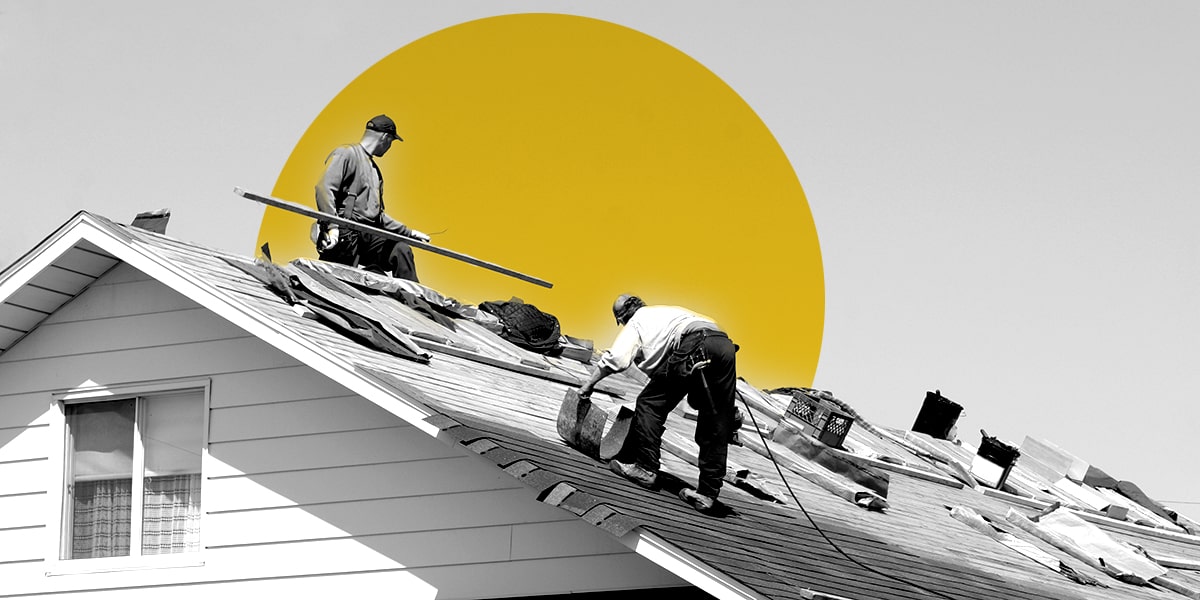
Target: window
[(133, 474)]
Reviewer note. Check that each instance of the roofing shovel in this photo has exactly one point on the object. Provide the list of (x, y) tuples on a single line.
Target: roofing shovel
[(581, 425)]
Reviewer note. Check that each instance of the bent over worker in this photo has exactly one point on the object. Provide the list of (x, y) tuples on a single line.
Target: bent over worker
[(352, 188), (683, 353)]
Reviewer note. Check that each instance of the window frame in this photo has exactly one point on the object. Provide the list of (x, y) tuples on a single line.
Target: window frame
[(60, 470)]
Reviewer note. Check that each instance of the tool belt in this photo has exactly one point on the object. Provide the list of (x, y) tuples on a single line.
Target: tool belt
[(689, 355)]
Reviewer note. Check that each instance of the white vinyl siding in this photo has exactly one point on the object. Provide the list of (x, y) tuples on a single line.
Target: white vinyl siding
[(307, 486)]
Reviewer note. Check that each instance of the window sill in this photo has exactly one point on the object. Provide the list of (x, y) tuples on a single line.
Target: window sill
[(83, 566)]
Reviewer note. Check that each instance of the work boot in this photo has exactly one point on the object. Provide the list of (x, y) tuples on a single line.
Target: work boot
[(698, 501), (633, 473)]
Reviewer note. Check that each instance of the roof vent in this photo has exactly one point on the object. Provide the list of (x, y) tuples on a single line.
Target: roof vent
[(938, 416), (155, 221)]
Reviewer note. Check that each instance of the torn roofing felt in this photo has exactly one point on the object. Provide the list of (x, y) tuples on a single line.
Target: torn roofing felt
[(337, 308), (506, 398), (1005, 536)]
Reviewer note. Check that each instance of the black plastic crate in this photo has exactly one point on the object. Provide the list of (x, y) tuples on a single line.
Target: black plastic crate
[(819, 419)]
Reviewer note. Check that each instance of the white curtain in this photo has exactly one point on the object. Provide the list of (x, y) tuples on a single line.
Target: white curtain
[(101, 518), (171, 514)]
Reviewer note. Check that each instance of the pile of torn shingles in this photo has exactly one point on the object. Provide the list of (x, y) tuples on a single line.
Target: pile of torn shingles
[(891, 515)]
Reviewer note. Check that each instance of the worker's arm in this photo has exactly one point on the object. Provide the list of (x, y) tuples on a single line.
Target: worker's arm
[(395, 226), (615, 359), (337, 165), (600, 372)]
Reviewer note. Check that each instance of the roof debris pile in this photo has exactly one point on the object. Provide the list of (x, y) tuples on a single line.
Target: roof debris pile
[(792, 433)]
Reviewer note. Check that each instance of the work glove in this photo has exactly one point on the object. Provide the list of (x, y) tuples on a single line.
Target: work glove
[(418, 235), (328, 239)]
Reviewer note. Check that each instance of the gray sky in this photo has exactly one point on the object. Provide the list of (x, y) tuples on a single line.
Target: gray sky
[(1004, 192)]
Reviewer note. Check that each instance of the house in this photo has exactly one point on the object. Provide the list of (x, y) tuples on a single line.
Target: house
[(170, 422)]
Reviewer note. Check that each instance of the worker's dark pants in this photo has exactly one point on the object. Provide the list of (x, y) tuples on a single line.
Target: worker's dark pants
[(374, 253), (714, 406)]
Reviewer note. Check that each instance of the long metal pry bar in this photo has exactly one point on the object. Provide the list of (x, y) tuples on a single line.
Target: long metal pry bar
[(350, 224)]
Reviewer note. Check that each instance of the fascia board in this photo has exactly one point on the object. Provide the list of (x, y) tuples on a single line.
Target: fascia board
[(687, 567), (697, 572)]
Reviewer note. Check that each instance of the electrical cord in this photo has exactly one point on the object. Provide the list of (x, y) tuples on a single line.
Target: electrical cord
[(771, 456)]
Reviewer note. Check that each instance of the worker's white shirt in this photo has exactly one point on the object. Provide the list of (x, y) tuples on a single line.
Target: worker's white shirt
[(652, 332)]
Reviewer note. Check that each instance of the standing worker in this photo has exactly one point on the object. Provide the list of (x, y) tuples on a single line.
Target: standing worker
[(352, 188), (682, 353)]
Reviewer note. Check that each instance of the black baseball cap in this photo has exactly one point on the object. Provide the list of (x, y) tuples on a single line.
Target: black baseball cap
[(385, 124)]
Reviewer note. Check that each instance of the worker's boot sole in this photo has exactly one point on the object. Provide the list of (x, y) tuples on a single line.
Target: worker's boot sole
[(697, 500), (633, 473)]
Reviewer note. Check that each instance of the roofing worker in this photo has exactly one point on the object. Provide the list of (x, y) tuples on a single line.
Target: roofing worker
[(683, 353), (352, 188)]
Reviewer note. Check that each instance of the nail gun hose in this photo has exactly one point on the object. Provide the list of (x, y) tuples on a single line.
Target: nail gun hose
[(771, 455)]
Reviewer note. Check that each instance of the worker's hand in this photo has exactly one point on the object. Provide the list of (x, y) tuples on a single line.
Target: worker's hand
[(328, 239), (585, 391), (418, 235)]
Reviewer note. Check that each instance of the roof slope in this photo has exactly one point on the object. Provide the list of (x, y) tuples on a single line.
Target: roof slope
[(501, 402)]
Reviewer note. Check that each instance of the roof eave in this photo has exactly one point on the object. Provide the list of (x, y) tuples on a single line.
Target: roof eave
[(687, 567), (25, 268)]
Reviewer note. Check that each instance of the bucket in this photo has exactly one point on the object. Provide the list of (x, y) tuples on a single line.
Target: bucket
[(938, 416)]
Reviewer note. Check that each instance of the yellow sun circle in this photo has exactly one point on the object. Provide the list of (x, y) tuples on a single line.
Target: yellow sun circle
[(593, 156)]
